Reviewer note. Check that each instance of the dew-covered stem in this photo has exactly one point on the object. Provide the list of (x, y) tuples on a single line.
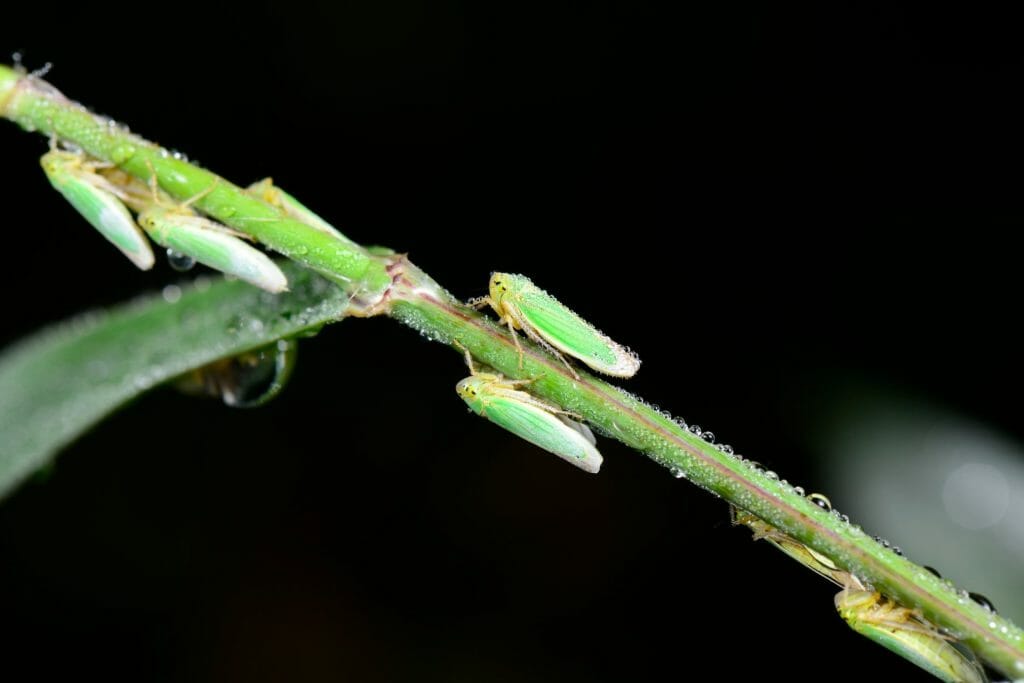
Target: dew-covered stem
[(388, 284)]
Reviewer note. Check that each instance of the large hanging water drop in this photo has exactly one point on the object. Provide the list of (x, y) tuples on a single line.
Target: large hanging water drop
[(180, 262), (247, 380), (983, 601)]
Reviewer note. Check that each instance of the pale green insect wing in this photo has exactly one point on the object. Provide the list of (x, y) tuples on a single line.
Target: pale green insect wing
[(267, 191), (931, 653), (216, 249), (569, 333), (296, 209), (809, 558), (545, 430), (102, 210)]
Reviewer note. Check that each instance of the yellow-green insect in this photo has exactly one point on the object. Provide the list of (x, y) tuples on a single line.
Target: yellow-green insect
[(502, 402), (270, 193), (901, 630), (523, 306), (178, 228), (906, 633), (98, 201)]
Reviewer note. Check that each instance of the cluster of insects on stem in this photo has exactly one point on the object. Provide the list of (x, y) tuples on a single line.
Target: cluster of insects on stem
[(521, 305), (107, 198)]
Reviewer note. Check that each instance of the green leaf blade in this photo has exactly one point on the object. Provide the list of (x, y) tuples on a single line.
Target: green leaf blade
[(57, 383)]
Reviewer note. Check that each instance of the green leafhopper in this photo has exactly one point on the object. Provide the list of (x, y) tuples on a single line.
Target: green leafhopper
[(528, 417), (97, 200), (894, 627), (211, 244), (275, 196), (523, 306), (906, 633)]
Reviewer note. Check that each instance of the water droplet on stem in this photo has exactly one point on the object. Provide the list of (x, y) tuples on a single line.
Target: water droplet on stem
[(821, 500)]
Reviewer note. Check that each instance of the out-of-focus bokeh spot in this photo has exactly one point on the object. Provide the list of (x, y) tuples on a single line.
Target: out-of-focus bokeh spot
[(976, 496), (947, 490)]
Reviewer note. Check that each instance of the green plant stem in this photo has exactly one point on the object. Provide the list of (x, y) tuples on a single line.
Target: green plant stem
[(391, 285)]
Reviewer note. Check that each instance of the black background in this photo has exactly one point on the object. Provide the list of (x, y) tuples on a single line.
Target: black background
[(763, 203)]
